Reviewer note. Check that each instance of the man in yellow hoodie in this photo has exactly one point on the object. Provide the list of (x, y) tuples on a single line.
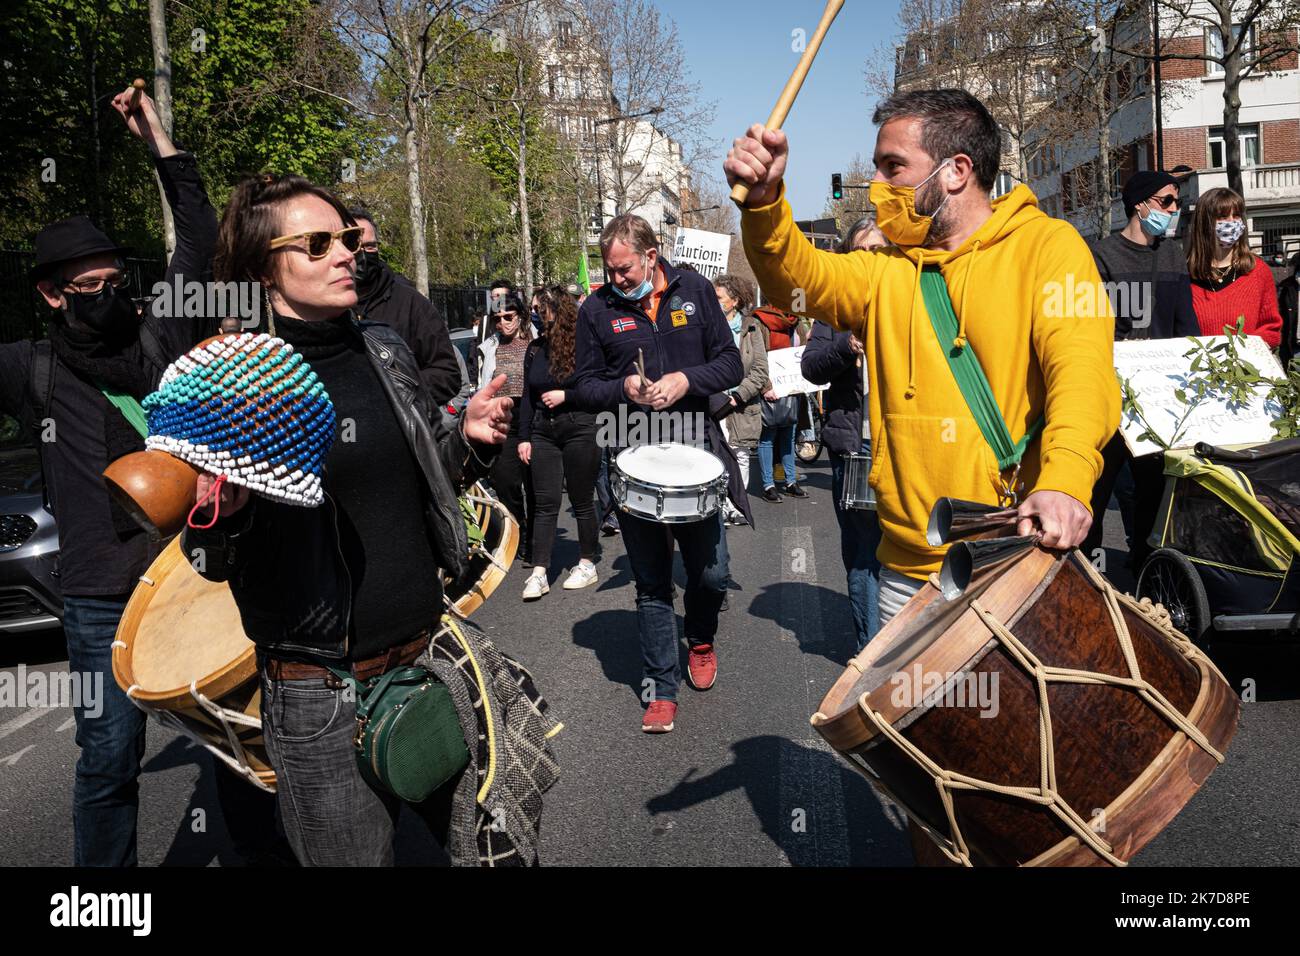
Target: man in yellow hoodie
[(1005, 264)]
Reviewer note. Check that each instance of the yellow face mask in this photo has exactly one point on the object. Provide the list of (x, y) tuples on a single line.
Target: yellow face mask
[(896, 214)]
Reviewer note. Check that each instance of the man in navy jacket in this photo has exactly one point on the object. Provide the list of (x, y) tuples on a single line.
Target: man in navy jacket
[(672, 318)]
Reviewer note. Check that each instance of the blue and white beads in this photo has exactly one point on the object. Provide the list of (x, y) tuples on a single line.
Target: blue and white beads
[(248, 407)]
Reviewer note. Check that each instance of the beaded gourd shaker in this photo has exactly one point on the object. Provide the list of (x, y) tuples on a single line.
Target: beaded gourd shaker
[(250, 408)]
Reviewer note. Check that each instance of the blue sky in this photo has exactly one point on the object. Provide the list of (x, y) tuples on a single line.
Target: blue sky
[(740, 54)]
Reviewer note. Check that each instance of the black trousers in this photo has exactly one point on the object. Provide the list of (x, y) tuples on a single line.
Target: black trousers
[(1138, 509), (564, 452), (512, 483)]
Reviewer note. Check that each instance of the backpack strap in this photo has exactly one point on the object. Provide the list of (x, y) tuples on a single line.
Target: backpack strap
[(970, 377), (40, 384), (40, 394)]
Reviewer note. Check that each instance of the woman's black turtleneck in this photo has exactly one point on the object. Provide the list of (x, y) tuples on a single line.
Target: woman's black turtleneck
[(377, 487)]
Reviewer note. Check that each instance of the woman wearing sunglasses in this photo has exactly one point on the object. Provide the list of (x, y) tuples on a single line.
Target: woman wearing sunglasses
[(502, 353), (355, 583), (1229, 282)]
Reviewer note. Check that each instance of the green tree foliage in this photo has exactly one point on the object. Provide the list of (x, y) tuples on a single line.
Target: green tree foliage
[(244, 77), (242, 103), (66, 150)]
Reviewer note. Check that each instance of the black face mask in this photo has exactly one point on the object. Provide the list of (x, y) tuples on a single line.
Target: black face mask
[(367, 269), (107, 312)]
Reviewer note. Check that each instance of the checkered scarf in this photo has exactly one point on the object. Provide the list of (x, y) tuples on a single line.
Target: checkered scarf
[(496, 813)]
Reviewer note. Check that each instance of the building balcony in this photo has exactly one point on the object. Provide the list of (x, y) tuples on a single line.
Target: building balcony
[(1277, 184)]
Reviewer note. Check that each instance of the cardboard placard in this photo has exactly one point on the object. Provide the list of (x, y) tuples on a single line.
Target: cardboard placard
[(707, 251), (1157, 368), (783, 369)]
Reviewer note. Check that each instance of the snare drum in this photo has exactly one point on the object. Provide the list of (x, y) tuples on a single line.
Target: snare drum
[(669, 483), (856, 492)]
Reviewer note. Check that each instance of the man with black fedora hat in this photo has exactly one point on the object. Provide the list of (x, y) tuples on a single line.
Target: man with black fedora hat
[(79, 392), (1145, 271)]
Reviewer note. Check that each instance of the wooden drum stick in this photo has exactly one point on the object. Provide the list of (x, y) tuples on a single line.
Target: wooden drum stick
[(740, 192)]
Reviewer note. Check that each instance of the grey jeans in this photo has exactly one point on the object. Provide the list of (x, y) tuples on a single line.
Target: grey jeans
[(332, 816), (895, 591)]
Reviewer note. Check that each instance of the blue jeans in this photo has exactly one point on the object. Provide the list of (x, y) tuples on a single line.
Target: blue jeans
[(859, 537), (784, 439), (110, 733), (704, 554)]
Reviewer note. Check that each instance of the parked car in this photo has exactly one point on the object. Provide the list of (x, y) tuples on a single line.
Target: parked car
[(29, 542)]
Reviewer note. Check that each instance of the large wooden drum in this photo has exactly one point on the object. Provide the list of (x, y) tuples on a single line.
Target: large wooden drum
[(1040, 718), (181, 655)]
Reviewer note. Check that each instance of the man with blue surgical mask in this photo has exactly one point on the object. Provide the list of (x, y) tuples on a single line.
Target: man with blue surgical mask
[(1145, 271), (651, 316)]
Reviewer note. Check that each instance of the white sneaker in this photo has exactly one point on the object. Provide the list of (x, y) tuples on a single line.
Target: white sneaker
[(582, 576), (535, 586)]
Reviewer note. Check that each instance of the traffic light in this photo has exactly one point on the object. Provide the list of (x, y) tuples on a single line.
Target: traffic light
[(837, 186)]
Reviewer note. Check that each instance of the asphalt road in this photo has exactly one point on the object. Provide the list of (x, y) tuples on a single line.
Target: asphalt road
[(744, 780)]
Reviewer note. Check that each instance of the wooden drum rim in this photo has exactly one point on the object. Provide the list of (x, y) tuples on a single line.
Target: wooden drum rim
[(215, 685), (1165, 763), (847, 727)]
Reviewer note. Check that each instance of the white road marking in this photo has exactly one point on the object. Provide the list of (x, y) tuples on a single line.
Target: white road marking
[(14, 758), (811, 782), (70, 722), (22, 720)]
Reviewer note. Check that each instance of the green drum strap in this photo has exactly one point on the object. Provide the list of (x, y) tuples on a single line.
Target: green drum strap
[(970, 377)]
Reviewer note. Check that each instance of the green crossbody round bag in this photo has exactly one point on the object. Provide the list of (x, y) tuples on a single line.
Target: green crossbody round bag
[(408, 738)]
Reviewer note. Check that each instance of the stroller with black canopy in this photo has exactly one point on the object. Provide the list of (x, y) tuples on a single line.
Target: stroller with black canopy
[(1227, 540)]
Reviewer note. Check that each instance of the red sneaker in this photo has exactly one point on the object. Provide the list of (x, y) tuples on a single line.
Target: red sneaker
[(659, 716), (702, 666)]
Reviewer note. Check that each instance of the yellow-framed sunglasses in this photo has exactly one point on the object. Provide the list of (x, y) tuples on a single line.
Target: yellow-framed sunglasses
[(320, 241)]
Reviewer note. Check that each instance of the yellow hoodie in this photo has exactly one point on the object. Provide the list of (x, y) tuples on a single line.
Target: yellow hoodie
[(1006, 283)]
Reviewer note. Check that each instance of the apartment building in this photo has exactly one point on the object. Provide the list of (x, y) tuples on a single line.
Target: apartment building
[(612, 146), (1191, 98)]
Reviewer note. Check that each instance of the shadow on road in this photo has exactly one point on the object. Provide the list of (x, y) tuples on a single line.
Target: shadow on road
[(817, 616), (810, 805), (612, 636), (243, 831)]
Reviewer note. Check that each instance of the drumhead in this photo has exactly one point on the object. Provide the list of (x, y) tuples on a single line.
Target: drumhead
[(670, 465), (179, 629)]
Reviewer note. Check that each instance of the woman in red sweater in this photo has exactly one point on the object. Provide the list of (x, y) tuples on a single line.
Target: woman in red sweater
[(1228, 281)]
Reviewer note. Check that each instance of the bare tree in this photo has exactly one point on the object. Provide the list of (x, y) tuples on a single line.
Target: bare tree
[(162, 97), (1244, 38), (644, 70), (1100, 75), (409, 47), (717, 213), (933, 46)]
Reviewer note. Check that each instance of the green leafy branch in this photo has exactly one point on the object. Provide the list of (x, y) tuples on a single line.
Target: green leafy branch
[(1133, 407), (1237, 380)]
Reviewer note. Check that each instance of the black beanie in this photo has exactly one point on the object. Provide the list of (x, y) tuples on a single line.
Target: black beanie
[(1144, 184)]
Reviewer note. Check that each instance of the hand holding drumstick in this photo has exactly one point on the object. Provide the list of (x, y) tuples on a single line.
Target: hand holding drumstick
[(142, 120)]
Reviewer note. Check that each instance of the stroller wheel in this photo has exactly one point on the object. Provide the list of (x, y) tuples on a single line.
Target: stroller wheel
[(808, 451), (1168, 578)]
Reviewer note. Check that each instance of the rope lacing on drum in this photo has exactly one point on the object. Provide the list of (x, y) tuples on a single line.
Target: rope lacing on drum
[(1046, 794)]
